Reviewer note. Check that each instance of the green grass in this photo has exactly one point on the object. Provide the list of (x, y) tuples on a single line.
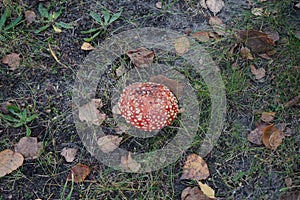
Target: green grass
[(238, 169)]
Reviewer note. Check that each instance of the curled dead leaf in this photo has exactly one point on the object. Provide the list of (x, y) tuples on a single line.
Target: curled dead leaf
[(90, 113), (29, 147), (259, 73), (215, 6), (87, 46), (174, 85), (12, 60), (79, 172), (195, 168), (9, 161), (268, 116), (141, 57), (272, 137), (182, 45), (208, 191), (194, 193), (109, 143)]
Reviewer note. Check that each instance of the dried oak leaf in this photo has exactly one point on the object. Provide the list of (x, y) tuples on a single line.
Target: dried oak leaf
[(202, 36), (257, 41), (109, 143), (9, 161), (69, 153), (12, 60), (89, 112), (215, 6), (195, 168), (217, 25), (272, 137), (268, 116), (80, 172), (182, 45), (29, 17), (174, 85), (208, 191), (29, 147), (258, 73), (246, 53), (87, 46), (255, 136), (194, 193), (141, 57), (129, 164)]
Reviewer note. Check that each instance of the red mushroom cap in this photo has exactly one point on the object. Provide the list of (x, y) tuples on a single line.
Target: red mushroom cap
[(148, 106)]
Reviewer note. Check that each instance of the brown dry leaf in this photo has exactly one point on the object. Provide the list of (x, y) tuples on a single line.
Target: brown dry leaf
[(87, 46), (259, 73), (89, 112), (208, 191), (257, 41), (12, 60), (294, 195), (194, 193), (288, 181), (158, 5), (294, 102), (128, 163), (174, 85), (195, 168), (255, 136), (9, 161), (273, 35), (109, 143), (217, 25), (268, 116), (69, 154), (29, 17), (246, 53), (272, 137), (215, 6), (202, 36), (182, 45), (141, 57), (29, 147), (80, 172)]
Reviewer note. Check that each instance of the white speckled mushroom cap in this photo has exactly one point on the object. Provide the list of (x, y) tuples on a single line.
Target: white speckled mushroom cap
[(148, 106)]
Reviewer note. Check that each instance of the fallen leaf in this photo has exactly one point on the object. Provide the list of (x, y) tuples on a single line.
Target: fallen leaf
[(255, 136), (265, 56), (273, 35), (80, 172), (69, 154), (259, 73), (257, 41), (54, 56), (29, 17), (182, 45), (194, 193), (174, 85), (195, 168), (90, 113), (272, 137), (87, 46), (294, 102), (203, 4), (246, 53), (288, 181), (158, 5), (202, 36), (208, 191), (109, 143), (29, 147), (12, 60), (215, 6), (141, 57), (56, 29), (129, 164), (268, 116), (9, 161), (217, 25), (294, 195)]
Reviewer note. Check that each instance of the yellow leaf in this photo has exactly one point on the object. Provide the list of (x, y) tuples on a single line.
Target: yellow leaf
[(54, 56), (87, 46), (208, 191), (56, 29)]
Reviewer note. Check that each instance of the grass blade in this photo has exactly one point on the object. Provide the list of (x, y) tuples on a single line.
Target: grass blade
[(96, 17), (14, 23), (64, 25), (3, 19)]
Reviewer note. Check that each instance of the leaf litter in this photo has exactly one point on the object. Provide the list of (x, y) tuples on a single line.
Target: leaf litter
[(80, 172), (89, 112), (128, 163), (69, 154), (109, 143), (141, 57), (29, 147), (12, 60), (9, 161)]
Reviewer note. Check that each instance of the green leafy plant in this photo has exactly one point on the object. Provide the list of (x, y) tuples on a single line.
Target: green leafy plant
[(4, 29), (103, 20), (50, 19), (17, 118)]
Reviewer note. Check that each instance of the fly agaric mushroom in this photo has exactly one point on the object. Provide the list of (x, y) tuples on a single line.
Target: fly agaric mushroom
[(148, 106)]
